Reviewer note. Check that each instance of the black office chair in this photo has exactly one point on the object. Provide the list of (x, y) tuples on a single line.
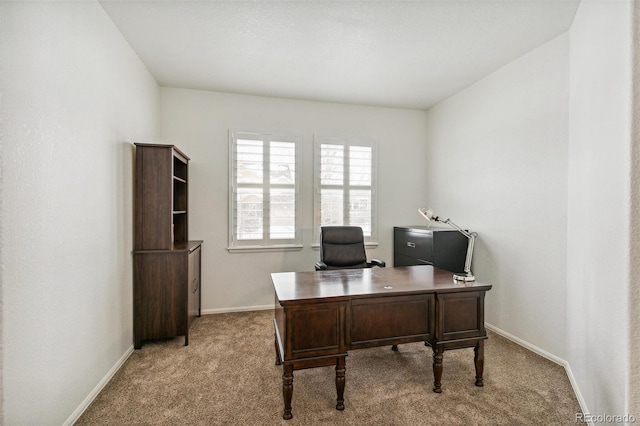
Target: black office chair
[(342, 247)]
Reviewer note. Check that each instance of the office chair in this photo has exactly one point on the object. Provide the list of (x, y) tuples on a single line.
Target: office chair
[(342, 247)]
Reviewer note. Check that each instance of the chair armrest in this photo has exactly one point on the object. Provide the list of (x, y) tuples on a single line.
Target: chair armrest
[(377, 262), (321, 266)]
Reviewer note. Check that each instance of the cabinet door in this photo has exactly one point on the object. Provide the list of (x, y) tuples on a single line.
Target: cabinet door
[(159, 295), (315, 329), (197, 292), (460, 316), (193, 287)]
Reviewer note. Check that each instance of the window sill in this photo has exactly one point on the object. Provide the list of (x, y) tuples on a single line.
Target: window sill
[(254, 249), (371, 244)]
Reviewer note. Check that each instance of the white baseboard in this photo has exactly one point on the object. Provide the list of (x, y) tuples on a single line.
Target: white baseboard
[(547, 355), (94, 393), (532, 348), (236, 309)]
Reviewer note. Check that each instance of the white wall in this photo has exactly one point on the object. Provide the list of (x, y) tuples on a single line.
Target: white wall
[(198, 122), (599, 204), (497, 165), (544, 146), (73, 95), (634, 282)]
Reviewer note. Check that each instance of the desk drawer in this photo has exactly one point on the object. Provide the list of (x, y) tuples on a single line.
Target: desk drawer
[(379, 321), (418, 245)]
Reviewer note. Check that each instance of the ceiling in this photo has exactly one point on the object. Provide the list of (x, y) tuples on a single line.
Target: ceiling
[(407, 54)]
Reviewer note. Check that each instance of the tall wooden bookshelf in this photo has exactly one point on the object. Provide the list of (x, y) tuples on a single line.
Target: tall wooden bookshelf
[(166, 263)]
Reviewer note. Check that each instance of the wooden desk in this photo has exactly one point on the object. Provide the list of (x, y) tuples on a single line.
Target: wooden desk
[(319, 316)]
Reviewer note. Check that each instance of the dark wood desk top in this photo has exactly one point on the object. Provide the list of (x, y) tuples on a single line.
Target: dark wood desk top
[(351, 283)]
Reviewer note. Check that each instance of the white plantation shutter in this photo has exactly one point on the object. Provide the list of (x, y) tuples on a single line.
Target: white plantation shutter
[(282, 181), (264, 201), (345, 176)]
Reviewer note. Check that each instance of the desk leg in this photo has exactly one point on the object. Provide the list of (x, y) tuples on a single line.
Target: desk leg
[(340, 380), (438, 352), (287, 390), (479, 361)]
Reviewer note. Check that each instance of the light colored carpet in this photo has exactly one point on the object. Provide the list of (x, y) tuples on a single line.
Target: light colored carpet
[(227, 376)]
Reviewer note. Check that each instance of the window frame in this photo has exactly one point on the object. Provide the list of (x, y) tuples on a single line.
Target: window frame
[(346, 142), (265, 243)]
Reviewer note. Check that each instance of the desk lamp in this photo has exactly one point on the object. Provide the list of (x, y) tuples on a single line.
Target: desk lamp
[(428, 214)]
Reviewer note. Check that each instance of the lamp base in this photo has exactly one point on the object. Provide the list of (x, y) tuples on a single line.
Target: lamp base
[(464, 278)]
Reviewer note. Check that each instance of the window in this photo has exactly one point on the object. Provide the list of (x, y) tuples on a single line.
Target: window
[(264, 202), (345, 181)]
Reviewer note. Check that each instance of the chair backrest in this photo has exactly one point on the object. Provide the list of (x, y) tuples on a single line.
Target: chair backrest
[(342, 247)]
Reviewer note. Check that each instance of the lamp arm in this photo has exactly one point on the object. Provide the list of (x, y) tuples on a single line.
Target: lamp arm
[(467, 264), (453, 225), (471, 236)]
